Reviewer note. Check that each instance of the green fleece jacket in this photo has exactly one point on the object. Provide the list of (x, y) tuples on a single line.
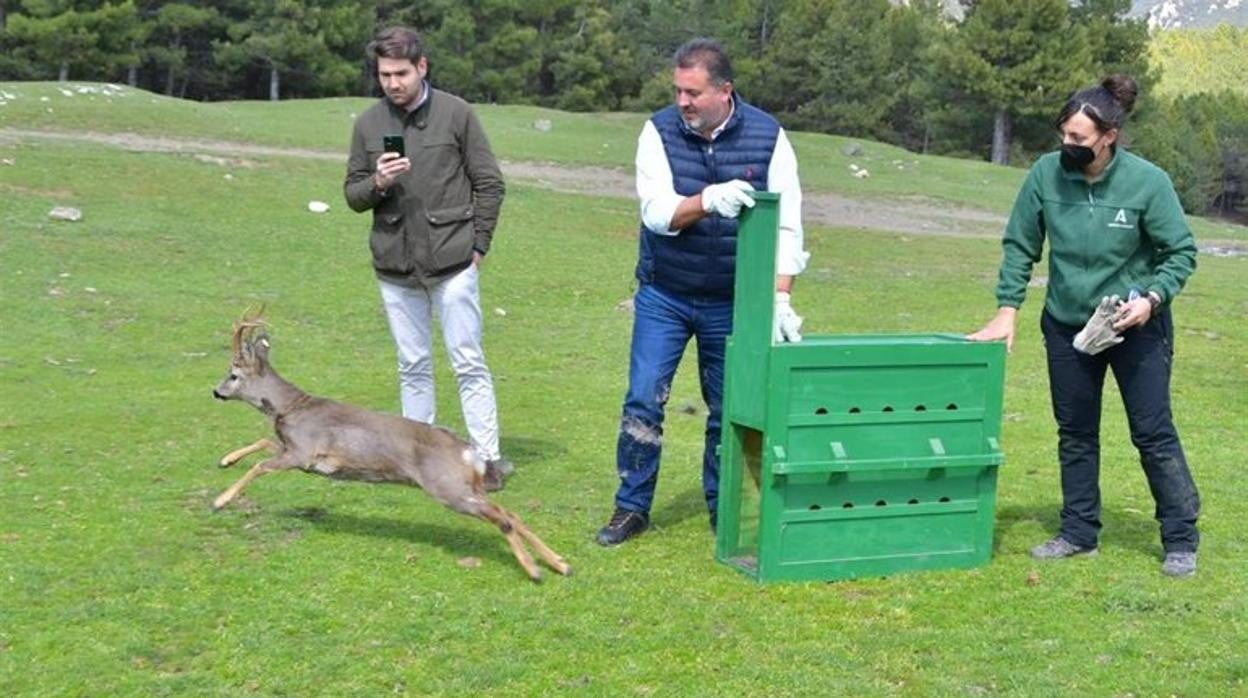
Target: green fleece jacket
[(1125, 231)]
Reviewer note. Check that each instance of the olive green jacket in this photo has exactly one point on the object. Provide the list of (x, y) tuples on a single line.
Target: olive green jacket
[(1125, 231), (428, 223)]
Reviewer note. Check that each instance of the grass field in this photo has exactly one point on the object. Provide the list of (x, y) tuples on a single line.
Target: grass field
[(116, 579)]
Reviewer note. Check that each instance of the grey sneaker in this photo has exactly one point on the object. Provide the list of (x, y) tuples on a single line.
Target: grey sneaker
[(1179, 564), (1059, 547), (504, 466), (496, 473)]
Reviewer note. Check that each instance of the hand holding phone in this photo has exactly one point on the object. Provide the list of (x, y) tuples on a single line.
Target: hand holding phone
[(393, 144), (391, 163)]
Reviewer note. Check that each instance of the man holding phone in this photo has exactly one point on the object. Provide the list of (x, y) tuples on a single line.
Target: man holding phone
[(420, 161)]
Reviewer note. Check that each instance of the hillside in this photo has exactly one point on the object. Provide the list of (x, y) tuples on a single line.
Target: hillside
[(1165, 14), (1201, 60), (904, 192), (322, 127), (1191, 14)]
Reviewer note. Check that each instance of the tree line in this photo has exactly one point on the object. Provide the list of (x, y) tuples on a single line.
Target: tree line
[(985, 82), (1215, 59)]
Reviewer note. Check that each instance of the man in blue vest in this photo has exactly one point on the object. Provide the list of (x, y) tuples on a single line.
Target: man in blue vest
[(698, 161)]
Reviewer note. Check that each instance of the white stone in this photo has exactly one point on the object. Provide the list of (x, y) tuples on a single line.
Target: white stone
[(65, 213), (318, 206)]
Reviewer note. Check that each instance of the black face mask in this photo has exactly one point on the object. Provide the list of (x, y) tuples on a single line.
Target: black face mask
[(1076, 157)]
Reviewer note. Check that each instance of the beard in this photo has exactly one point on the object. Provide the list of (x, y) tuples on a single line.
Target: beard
[(401, 98)]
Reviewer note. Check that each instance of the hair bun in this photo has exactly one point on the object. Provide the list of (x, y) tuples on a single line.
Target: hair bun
[(1124, 89)]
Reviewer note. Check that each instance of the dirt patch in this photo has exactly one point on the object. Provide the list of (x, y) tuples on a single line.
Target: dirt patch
[(1225, 248), (902, 215), (162, 144), (27, 191)]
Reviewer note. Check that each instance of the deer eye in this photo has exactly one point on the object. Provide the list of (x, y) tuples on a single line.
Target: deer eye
[(233, 376)]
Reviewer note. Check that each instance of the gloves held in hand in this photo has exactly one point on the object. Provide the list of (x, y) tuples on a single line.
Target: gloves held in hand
[(1098, 334)]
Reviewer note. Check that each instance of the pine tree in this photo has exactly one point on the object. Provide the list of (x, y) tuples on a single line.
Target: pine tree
[(1011, 60), (828, 63)]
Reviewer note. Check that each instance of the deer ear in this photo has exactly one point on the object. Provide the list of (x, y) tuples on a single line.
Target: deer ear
[(261, 347)]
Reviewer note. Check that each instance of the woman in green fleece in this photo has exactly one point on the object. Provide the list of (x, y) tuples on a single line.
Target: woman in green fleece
[(1115, 228)]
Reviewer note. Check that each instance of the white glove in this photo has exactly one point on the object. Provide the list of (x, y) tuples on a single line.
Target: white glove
[(1098, 334), (788, 323), (727, 199)]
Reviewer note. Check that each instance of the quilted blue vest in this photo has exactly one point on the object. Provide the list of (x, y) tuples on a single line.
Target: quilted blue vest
[(701, 261)]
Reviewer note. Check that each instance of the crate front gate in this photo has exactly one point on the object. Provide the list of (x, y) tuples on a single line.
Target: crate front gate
[(847, 456)]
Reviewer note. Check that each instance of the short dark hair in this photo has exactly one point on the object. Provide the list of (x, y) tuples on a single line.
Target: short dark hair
[(1107, 104), (709, 54), (395, 42)]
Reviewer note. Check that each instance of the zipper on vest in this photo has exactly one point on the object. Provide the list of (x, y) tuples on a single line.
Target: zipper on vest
[(714, 177)]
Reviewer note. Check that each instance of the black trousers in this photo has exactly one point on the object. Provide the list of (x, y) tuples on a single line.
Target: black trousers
[(1141, 366)]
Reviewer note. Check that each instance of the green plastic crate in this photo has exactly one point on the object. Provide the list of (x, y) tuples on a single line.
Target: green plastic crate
[(852, 455)]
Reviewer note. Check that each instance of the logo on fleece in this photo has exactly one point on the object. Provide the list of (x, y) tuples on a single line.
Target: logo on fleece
[(1120, 221)]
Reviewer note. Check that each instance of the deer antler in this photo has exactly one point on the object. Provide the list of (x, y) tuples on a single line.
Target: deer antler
[(245, 326)]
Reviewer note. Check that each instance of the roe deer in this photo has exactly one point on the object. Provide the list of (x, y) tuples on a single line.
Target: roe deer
[(321, 436)]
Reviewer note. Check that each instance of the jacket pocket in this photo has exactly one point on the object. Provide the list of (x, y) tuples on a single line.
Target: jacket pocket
[(450, 236), (388, 243)]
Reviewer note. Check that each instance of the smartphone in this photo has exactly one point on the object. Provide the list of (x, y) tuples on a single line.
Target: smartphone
[(393, 144)]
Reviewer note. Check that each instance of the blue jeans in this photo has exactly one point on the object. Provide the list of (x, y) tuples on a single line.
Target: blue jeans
[(663, 323), (1141, 366)]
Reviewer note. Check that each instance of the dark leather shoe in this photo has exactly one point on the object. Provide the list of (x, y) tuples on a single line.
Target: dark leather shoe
[(623, 525)]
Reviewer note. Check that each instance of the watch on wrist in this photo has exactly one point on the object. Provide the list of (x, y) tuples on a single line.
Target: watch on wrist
[(1154, 300)]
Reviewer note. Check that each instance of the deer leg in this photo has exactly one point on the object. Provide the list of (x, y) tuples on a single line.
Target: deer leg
[(235, 456), (261, 468), (523, 556), (552, 558), (500, 517)]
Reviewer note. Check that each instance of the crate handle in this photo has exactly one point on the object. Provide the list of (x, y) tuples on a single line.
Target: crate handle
[(838, 450)]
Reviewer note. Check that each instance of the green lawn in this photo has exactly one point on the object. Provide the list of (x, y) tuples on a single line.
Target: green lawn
[(116, 579)]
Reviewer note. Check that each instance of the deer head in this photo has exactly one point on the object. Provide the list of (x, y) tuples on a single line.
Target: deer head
[(249, 364)]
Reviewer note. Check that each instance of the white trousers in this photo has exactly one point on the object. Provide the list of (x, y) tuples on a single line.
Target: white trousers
[(458, 303)]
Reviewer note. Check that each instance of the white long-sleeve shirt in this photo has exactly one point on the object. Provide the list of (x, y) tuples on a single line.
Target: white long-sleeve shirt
[(659, 198)]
